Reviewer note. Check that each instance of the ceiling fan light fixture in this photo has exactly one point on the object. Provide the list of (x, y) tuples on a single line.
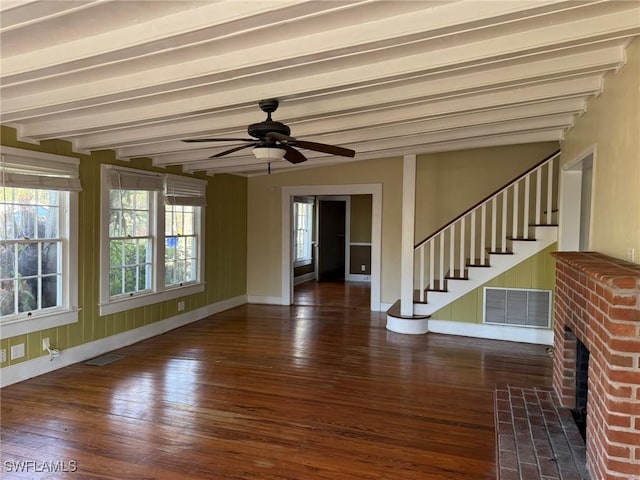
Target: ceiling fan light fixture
[(269, 154)]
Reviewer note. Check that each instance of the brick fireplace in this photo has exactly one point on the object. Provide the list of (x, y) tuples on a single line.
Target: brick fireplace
[(597, 302)]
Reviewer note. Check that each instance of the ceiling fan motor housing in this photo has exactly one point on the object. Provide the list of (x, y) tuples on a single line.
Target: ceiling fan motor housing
[(260, 130)]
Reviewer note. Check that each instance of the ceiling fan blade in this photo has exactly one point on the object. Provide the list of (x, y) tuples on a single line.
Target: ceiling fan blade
[(293, 156), (194, 140), (231, 150), (323, 147), (318, 147)]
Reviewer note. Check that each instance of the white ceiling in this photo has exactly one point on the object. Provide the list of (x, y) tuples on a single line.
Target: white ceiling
[(381, 77)]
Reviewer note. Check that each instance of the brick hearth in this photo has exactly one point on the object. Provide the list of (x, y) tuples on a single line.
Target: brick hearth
[(597, 301)]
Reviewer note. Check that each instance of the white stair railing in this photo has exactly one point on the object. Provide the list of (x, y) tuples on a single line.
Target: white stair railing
[(497, 220)]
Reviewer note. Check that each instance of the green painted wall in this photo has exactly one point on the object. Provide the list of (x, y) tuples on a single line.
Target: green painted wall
[(536, 272), (225, 252)]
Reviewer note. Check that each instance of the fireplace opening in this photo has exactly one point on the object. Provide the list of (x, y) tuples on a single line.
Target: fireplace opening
[(582, 388)]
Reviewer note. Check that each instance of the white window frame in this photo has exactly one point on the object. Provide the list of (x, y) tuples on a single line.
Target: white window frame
[(176, 190), (300, 262), (46, 171)]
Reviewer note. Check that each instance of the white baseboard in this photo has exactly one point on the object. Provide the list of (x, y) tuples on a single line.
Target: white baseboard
[(41, 365), (264, 300), (358, 277), (304, 278), (492, 332), (384, 307)]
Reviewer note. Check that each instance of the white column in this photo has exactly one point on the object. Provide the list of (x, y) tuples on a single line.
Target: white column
[(408, 223)]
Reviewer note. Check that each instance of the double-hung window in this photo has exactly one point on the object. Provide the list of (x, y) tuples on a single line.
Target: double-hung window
[(303, 230), (153, 237), (38, 240)]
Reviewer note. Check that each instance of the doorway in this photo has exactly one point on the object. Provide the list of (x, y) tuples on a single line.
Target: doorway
[(375, 190), (332, 239), (575, 202)]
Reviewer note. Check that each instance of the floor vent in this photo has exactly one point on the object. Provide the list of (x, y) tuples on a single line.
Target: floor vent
[(517, 306), (104, 359)]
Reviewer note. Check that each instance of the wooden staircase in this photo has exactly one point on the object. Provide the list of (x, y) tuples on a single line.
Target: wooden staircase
[(505, 228)]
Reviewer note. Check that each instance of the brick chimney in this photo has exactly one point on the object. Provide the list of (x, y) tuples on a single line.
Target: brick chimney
[(597, 301)]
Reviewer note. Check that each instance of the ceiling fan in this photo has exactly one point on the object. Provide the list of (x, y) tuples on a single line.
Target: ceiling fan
[(272, 141)]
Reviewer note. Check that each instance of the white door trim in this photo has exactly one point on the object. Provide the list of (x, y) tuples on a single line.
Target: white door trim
[(373, 189), (570, 200)]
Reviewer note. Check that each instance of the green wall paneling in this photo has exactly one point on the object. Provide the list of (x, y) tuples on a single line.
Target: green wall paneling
[(225, 258)]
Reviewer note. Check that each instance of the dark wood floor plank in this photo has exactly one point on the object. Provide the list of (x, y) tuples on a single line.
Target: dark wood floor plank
[(274, 393)]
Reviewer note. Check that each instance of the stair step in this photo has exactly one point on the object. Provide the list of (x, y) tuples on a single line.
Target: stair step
[(508, 251), (456, 275), (543, 224), (416, 297), (477, 263), (394, 311), (521, 239), (437, 286)]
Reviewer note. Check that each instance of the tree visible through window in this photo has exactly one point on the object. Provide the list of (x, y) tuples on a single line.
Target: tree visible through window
[(30, 250), (180, 252), (303, 220), (129, 242), (151, 243)]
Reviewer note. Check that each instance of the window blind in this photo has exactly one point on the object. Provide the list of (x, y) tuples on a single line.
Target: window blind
[(185, 191), (25, 169), (124, 179)]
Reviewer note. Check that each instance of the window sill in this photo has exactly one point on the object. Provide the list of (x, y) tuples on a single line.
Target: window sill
[(120, 305), (302, 263), (36, 323)]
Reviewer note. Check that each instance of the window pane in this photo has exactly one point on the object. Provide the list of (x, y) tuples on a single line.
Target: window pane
[(116, 253), (47, 222), (7, 261), (115, 198), (130, 252), (7, 297), (115, 281), (180, 244), (50, 256), (115, 223), (27, 260), (27, 295), (169, 273), (142, 277), (50, 291), (141, 251), (31, 272), (170, 244), (130, 279), (25, 221)]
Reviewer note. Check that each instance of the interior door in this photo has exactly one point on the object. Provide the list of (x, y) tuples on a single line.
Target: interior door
[(332, 216)]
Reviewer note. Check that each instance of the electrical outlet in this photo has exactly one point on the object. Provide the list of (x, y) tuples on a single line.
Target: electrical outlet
[(17, 351), (3, 355), (363, 268), (181, 305), (45, 344)]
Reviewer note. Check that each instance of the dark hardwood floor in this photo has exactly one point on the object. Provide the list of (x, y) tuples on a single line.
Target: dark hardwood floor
[(272, 393), (335, 294)]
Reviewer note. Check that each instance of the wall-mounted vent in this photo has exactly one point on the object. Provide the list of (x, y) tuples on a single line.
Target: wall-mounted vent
[(516, 306)]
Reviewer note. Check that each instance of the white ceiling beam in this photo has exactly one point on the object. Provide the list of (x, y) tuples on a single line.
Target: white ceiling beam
[(367, 36), (23, 13), (559, 122), (498, 140), (516, 118), (140, 39), (386, 95), (484, 51)]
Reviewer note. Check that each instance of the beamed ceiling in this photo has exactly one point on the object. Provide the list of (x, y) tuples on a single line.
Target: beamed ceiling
[(385, 78)]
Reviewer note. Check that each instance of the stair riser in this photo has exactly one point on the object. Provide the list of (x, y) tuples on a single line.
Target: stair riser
[(478, 276)]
